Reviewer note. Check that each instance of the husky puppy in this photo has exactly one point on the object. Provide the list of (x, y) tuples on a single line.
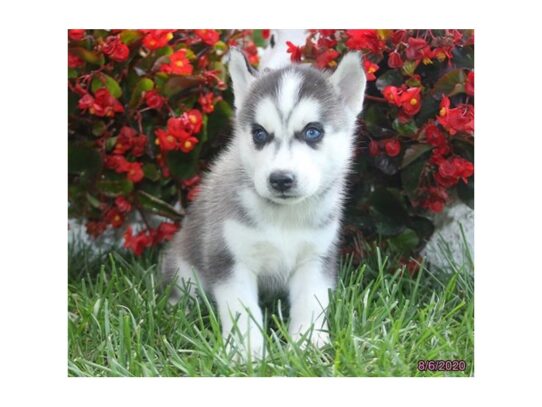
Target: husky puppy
[(268, 214)]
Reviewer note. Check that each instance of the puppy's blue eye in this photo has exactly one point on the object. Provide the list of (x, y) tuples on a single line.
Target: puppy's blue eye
[(313, 134), (259, 135)]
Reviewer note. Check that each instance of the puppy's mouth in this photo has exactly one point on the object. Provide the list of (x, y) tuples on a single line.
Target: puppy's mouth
[(285, 198)]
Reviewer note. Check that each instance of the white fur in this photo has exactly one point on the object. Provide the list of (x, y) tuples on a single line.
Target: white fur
[(289, 86), (285, 240)]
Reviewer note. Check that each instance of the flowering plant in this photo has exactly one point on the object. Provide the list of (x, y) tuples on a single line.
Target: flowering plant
[(416, 135), (148, 109)]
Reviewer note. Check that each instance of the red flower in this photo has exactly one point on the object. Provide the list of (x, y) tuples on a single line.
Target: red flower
[(469, 84), (435, 200), (188, 144), (464, 168), (451, 170), (102, 104), (266, 34), (137, 243), (138, 145), (74, 61), (178, 64), (124, 140), (251, 52), (85, 102), (373, 148), (392, 95), (165, 140), (434, 136), (206, 102), (117, 162), (392, 147), (364, 39), (95, 228), (153, 99), (114, 218), (326, 58), (155, 39), (417, 49), (370, 69), (411, 101), (165, 231), (76, 35), (209, 37), (444, 106), (297, 52), (456, 120), (190, 182), (123, 204), (395, 60), (442, 53), (115, 49), (193, 121), (176, 127), (135, 172)]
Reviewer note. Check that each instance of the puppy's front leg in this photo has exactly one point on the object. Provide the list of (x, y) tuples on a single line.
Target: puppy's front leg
[(309, 298), (240, 314)]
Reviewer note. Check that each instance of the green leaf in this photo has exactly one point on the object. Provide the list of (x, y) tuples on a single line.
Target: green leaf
[(143, 85), (219, 121), (405, 242), (110, 143), (376, 120), (113, 188), (98, 128), (88, 56), (405, 129), (72, 73), (181, 165), (156, 205), (430, 107), (464, 149), (388, 203), (151, 171), (450, 83), (410, 177), (466, 192), (130, 37), (176, 84), (463, 57), (93, 201), (390, 78), (409, 67), (258, 38), (83, 160), (102, 80), (164, 51), (414, 152)]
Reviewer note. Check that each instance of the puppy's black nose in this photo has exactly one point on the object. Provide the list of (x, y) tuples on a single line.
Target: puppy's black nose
[(282, 181)]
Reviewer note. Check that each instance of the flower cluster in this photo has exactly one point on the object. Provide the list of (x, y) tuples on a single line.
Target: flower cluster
[(417, 127), (149, 237), (180, 132), (148, 109), (140, 102)]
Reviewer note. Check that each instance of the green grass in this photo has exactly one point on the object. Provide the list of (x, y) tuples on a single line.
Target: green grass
[(382, 322)]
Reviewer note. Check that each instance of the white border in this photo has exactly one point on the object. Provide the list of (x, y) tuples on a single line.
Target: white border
[(33, 170)]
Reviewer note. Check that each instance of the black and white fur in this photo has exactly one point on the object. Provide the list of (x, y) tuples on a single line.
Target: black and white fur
[(242, 235)]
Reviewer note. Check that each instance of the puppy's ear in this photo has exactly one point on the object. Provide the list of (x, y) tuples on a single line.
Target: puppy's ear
[(349, 80), (242, 76)]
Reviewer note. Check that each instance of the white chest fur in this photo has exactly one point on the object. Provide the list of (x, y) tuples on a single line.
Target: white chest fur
[(277, 251)]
